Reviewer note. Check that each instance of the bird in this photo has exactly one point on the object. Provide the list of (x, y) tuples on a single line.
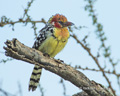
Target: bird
[(51, 40)]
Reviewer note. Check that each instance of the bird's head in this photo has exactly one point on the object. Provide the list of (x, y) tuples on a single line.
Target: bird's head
[(59, 21)]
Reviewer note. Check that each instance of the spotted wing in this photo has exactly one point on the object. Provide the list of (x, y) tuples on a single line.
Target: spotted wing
[(46, 31)]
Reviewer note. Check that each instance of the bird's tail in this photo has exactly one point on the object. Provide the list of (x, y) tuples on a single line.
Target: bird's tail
[(35, 77)]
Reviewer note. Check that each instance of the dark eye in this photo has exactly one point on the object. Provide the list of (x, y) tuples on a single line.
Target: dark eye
[(51, 30), (60, 22)]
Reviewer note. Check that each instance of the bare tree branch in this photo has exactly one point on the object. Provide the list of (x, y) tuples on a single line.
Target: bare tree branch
[(96, 61), (21, 21), (19, 51), (96, 70)]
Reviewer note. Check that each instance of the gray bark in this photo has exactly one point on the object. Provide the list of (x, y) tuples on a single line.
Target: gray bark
[(19, 51)]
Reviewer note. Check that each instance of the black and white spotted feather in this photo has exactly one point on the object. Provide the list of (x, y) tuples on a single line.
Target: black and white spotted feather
[(44, 33), (35, 76)]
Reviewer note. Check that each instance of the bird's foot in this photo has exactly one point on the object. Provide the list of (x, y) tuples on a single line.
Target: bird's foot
[(46, 54), (59, 61)]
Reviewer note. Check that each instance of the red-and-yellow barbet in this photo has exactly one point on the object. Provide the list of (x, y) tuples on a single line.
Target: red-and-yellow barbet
[(51, 40)]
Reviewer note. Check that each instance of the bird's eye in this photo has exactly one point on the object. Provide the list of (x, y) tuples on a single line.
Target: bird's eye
[(51, 30), (61, 22)]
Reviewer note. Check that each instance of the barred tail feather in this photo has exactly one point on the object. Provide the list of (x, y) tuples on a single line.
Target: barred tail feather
[(35, 77)]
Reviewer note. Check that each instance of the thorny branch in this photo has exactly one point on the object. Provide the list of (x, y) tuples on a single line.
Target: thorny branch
[(27, 9), (101, 35), (4, 61), (99, 31), (96, 70), (19, 51), (20, 21), (95, 59), (74, 36)]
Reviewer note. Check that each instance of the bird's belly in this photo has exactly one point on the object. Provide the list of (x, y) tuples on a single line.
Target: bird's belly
[(52, 46)]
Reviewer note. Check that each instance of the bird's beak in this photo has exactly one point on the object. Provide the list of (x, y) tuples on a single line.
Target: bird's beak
[(67, 24)]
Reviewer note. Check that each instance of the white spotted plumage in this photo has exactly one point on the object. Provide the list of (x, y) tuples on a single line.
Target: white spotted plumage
[(44, 33)]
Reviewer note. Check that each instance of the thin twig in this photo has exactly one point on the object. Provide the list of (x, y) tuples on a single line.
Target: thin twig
[(89, 69), (96, 61), (6, 93), (21, 21)]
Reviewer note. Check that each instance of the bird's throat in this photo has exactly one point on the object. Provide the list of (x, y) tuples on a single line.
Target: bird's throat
[(61, 34)]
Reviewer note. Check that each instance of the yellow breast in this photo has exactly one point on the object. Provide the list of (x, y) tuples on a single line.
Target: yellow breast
[(53, 45), (61, 34)]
